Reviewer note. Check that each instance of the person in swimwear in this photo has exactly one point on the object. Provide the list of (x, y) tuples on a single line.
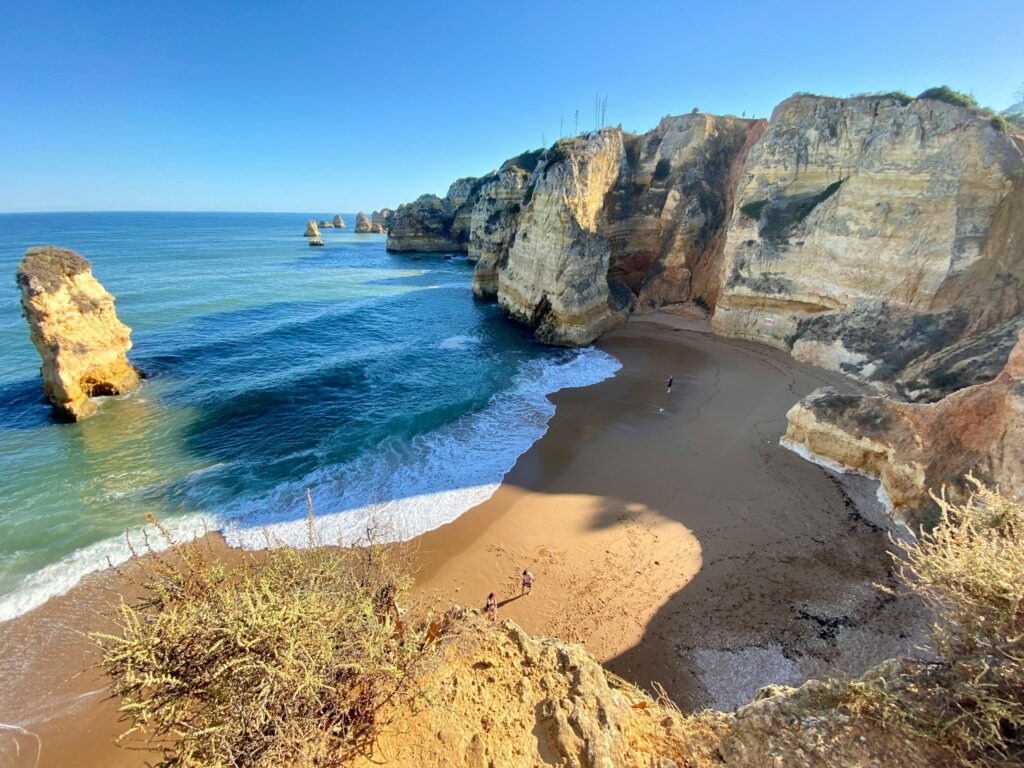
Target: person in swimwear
[(491, 607), (527, 583)]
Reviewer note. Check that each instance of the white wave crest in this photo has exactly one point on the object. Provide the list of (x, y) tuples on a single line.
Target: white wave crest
[(404, 489)]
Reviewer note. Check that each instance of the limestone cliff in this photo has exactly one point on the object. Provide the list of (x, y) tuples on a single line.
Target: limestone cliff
[(73, 326), (556, 276), (914, 448), (665, 218), (870, 232), (363, 226), (493, 225), (434, 224), (500, 697)]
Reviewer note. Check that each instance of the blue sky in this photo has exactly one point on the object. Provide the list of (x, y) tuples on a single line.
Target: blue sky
[(315, 108)]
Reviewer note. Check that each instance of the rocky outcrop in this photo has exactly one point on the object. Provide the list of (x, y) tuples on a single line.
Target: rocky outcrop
[(870, 232), (381, 220), (435, 224), (325, 224), (493, 226), (915, 448), (311, 229), (363, 226), (338, 222), (500, 697), (556, 275), (73, 326)]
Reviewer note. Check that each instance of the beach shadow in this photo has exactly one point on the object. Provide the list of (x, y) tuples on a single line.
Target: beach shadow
[(508, 600)]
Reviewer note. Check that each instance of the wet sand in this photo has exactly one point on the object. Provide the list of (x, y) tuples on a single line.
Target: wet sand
[(669, 534)]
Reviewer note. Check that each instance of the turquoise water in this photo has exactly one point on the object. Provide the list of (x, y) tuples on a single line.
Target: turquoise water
[(374, 380)]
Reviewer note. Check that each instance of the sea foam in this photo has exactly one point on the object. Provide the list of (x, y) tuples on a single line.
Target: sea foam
[(402, 489)]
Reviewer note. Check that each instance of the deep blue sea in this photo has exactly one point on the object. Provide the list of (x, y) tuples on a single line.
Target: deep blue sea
[(374, 380)]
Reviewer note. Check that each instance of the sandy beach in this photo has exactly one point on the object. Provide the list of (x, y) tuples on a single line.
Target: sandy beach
[(669, 534)]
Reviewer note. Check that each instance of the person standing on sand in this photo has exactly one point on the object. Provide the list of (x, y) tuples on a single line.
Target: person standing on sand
[(527, 583), (668, 390), (491, 607)]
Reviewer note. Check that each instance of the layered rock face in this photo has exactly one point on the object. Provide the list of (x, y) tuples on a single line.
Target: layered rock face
[(503, 698), (914, 448), (665, 218), (363, 226), (556, 276), (73, 326), (869, 232), (311, 229), (434, 224), (493, 225), (339, 223)]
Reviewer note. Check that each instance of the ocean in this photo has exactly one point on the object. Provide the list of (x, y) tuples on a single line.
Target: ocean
[(375, 381)]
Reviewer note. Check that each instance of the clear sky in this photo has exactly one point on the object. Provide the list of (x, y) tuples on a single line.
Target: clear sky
[(253, 106)]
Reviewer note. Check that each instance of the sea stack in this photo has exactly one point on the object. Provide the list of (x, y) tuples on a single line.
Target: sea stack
[(324, 224), (74, 327), (363, 225), (311, 230), (339, 223)]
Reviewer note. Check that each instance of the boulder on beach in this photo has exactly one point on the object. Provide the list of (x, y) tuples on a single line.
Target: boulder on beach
[(73, 326), (311, 230), (363, 225)]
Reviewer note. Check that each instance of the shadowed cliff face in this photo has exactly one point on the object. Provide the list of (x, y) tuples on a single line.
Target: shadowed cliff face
[(869, 233), (665, 217)]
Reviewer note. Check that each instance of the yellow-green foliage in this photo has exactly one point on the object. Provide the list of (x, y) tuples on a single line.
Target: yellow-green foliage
[(970, 696), (285, 659)]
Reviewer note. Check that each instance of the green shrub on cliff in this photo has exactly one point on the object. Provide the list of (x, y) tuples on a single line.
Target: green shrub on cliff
[(288, 658), (969, 698), (950, 96)]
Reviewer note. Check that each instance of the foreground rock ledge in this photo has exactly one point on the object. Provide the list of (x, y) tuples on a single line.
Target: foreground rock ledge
[(74, 327), (502, 698)]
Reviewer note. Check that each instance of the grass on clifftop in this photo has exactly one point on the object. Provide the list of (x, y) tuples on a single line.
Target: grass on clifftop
[(287, 659), (968, 698)]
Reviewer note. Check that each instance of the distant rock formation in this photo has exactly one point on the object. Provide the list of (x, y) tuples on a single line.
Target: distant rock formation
[(339, 223), (916, 448), (324, 224), (381, 220), (435, 224), (73, 326), (311, 230), (363, 225)]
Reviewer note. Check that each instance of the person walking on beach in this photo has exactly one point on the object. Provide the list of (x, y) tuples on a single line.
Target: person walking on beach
[(527, 583), (668, 390), (491, 607)]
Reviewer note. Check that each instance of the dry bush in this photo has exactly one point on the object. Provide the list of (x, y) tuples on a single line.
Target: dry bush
[(289, 658), (969, 696)]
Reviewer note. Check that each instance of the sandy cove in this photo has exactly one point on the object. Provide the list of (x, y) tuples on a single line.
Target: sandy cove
[(669, 534)]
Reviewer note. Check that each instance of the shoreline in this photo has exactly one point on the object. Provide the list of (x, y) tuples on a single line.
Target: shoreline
[(671, 535)]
